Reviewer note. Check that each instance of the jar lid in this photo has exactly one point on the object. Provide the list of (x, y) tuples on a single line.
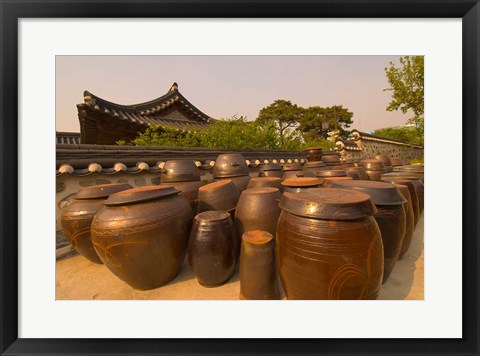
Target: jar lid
[(385, 159), (328, 204), (315, 164), (401, 175), (262, 190), (140, 194), (331, 158), (373, 164), (382, 193), (257, 237), (298, 174), (332, 173), (101, 191), (295, 166), (302, 182), (417, 168), (271, 167)]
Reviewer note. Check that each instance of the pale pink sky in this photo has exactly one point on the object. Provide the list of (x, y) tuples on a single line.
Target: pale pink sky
[(222, 86)]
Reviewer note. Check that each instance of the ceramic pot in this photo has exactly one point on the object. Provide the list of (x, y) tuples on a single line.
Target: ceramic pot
[(390, 216), (180, 170), (374, 168), (264, 182), (271, 170), (357, 173), (258, 275), (294, 166), (416, 179), (77, 218), (257, 209), (327, 173), (386, 161), (188, 190), (314, 166), (230, 165), (397, 161), (411, 190), (211, 248), (295, 185), (417, 169), (141, 235), (331, 159), (222, 195), (410, 220), (240, 182), (314, 154), (328, 245)]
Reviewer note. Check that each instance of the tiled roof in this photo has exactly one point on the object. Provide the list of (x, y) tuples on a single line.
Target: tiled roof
[(358, 135), (68, 138), (347, 145), (118, 120), (82, 160)]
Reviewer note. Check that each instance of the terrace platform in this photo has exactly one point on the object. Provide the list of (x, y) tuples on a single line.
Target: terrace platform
[(79, 279)]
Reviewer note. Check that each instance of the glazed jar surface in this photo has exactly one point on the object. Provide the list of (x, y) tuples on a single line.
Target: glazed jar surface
[(298, 174), (357, 173), (141, 235), (258, 274), (271, 170), (411, 190), (221, 195), (314, 154), (410, 220), (212, 248), (390, 216), (295, 185), (264, 182), (179, 170), (77, 218), (328, 245), (230, 165), (188, 190), (240, 182)]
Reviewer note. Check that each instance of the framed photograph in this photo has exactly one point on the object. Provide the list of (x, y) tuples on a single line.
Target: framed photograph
[(49, 48)]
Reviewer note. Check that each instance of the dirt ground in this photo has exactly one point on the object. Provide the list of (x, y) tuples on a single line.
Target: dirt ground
[(79, 279)]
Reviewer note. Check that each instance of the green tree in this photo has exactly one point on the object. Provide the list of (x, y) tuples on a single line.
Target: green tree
[(316, 121), (406, 84), (403, 133), (286, 117)]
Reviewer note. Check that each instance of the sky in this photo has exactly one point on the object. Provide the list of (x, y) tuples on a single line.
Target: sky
[(223, 86)]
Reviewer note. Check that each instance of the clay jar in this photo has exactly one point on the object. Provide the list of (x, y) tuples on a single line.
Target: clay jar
[(386, 161), (329, 175), (374, 168), (258, 275), (264, 182), (257, 209), (314, 154), (410, 221), (271, 170), (141, 235), (314, 166), (77, 218), (357, 173), (234, 167), (212, 248), (332, 159), (390, 216), (411, 190), (222, 195), (397, 161), (328, 245), (295, 185), (413, 168), (184, 175), (416, 181), (297, 174), (294, 166)]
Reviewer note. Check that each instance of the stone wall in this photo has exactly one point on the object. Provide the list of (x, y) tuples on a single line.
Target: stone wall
[(406, 152)]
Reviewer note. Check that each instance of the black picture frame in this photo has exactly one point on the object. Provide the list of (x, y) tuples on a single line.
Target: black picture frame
[(11, 11)]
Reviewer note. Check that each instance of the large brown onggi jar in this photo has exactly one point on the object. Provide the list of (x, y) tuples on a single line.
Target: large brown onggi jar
[(411, 190), (390, 216), (331, 159), (328, 245), (258, 275), (297, 174), (230, 165), (264, 182), (374, 168), (357, 173), (397, 161), (386, 161), (314, 166), (314, 154), (271, 170), (180, 170), (416, 181), (240, 182), (328, 181), (77, 218), (188, 190), (412, 168), (410, 220), (257, 209), (294, 166), (212, 248), (222, 196), (141, 235)]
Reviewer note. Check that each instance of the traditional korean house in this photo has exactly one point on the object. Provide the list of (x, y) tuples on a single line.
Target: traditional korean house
[(104, 123)]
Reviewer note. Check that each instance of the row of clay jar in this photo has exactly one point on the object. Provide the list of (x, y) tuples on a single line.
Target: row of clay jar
[(133, 212)]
